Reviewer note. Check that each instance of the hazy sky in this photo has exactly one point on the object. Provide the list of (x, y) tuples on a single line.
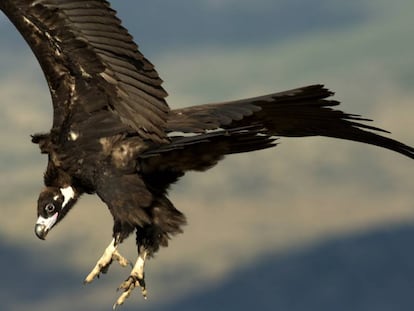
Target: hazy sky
[(303, 192)]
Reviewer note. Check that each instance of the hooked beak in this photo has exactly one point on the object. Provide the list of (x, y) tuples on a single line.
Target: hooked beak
[(43, 225), (41, 231)]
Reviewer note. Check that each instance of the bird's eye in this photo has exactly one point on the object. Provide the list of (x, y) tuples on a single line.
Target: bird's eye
[(50, 208)]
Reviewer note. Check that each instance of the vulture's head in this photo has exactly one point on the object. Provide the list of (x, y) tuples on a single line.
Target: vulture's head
[(52, 206)]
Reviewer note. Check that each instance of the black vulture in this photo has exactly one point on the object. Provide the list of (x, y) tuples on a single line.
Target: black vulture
[(114, 135)]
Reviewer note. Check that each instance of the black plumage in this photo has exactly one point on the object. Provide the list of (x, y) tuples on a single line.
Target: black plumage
[(114, 135)]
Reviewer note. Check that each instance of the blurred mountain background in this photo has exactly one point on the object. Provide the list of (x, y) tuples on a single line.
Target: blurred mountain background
[(313, 224)]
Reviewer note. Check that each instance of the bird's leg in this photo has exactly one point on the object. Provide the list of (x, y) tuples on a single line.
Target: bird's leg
[(135, 279), (111, 253)]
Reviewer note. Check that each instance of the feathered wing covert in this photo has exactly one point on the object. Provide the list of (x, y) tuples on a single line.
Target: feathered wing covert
[(91, 63)]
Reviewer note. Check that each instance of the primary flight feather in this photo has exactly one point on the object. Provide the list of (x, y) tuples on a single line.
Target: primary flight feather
[(114, 135)]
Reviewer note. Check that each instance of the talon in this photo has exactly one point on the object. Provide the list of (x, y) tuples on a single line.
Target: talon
[(135, 279), (121, 299), (144, 293), (102, 266), (128, 286)]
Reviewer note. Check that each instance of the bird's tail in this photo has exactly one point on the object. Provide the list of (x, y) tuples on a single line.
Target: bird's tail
[(310, 113)]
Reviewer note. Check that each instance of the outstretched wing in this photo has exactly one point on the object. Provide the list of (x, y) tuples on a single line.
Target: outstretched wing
[(305, 111), (203, 151), (91, 63)]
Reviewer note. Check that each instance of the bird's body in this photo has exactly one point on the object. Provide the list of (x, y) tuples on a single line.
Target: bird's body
[(114, 135)]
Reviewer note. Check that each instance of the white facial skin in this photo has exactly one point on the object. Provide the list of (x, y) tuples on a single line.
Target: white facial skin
[(43, 225)]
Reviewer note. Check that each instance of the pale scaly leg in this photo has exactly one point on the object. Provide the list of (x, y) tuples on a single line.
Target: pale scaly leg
[(111, 253), (135, 279)]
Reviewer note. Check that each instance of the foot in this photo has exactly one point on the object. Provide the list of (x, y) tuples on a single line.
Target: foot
[(111, 253), (135, 279)]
